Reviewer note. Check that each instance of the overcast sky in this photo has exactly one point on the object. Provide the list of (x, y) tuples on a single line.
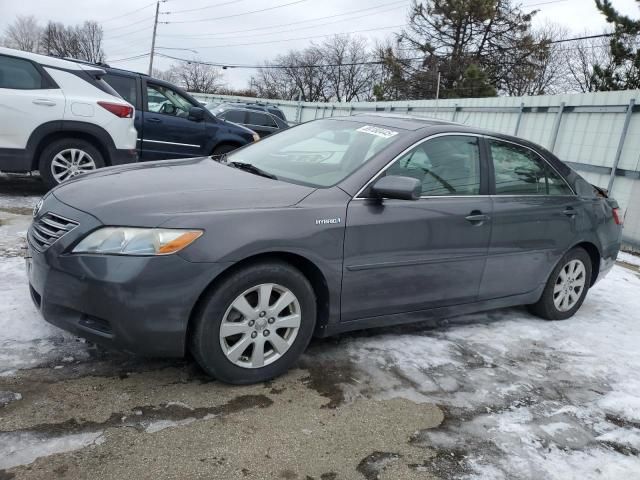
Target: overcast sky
[(244, 38)]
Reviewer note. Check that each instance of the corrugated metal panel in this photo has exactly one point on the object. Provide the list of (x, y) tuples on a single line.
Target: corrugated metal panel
[(588, 136)]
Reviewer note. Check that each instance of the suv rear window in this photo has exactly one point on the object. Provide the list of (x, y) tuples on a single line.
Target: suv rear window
[(125, 86)]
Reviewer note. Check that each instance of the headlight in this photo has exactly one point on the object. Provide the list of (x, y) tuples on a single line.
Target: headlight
[(137, 241), (256, 137)]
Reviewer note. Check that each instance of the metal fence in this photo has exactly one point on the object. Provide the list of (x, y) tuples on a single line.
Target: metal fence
[(598, 134)]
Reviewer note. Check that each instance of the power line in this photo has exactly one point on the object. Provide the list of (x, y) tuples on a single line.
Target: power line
[(128, 13), (279, 67), (207, 7), (371, 62), (129, 25), (543, 3), (135, 57), (298, 38), (239, 14), (208, 35)]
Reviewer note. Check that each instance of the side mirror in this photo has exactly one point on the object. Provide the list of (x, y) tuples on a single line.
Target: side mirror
[(397, 187), (196, 114)]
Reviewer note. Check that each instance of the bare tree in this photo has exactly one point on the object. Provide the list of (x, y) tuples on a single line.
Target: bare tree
[(83, 42), (339, 69), (166, 75), (299, 74), (544, 70), (349, 72), (581, 57), (197, 77), (90, 42), (23, 34)]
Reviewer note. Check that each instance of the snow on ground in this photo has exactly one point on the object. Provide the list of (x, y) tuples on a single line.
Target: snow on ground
[(629, 258), (22, 448), (524, 398)]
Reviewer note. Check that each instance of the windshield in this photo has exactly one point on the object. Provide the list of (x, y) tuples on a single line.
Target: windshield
[(320, 153)]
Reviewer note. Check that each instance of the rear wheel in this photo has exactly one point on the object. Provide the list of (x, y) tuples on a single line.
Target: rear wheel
[(254, 325), (67, 158), (566, 288)]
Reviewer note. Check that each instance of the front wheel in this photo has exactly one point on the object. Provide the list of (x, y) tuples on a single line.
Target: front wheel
[(255, 324), (566, 288)]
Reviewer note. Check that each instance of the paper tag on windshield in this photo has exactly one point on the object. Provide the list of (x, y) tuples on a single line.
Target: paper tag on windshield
[(377, 131)]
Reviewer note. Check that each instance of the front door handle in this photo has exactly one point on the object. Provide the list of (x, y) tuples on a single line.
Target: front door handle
[(45, 102), (477, 218), (570, 212), (154, 120)]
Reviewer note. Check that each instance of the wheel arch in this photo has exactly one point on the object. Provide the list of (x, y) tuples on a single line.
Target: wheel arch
[(52, 131), (308, 268), (594, 254)]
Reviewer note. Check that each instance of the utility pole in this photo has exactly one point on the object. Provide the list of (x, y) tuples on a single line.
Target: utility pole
[(153, 39), (437, 92)]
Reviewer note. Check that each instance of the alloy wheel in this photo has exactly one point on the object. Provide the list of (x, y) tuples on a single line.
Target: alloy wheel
[(569, 285), (71, 162), (260, 325)]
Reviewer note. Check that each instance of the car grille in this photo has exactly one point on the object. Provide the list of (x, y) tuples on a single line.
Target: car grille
[(49, 228)]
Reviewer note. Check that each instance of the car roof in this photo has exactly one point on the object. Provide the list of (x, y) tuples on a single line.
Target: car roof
[(48, 61), (404, 122), (434, 125)]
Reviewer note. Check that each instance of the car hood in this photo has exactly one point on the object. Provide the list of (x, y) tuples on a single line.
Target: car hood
[(147, 194)]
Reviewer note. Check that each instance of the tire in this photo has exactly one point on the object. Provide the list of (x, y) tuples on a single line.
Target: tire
[(555, 290), (224, 148), (211, 349), (61, 152)]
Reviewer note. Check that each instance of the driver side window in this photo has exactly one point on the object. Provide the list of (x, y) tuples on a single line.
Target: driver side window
[(448, 165), (166, 101)]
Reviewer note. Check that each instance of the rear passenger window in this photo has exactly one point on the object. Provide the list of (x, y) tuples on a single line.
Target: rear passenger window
[(235, 116), (19, 74), (125, 86), (261, 119), (448, 165), (520, 171)]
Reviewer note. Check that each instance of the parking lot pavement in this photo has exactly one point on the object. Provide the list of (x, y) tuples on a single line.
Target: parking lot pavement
[(499, 395)]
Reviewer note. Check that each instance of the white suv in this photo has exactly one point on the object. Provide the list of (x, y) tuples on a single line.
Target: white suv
[(60, 117)]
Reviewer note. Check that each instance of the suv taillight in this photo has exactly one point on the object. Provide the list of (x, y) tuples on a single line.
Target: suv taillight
[(616, 216), (119, 110)]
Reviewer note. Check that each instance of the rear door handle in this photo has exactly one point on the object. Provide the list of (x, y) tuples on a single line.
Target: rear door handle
[(45, 102), (154, 120), (477, 218), (569, 212)]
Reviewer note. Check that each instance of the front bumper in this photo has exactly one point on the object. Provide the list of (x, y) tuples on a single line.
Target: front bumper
[(138, 304)]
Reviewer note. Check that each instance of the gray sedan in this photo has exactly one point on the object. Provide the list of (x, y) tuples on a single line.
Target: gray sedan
[(330, 226)]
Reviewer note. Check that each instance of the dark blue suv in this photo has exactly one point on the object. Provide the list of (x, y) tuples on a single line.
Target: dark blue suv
[(171, 123)]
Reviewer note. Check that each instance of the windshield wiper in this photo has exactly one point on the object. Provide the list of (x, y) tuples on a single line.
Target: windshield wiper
[(248, 167)]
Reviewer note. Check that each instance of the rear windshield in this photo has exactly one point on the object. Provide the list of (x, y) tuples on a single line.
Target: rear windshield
[(320, 153)]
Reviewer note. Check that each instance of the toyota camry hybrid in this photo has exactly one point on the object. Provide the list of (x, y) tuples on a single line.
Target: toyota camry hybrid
[(333, 225)]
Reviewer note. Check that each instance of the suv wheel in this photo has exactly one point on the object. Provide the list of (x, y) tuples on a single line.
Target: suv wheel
[(255, 325), (67, 158), (566, 288)]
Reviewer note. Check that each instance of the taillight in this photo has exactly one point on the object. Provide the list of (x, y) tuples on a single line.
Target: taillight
[(616, 216), (118, 109)]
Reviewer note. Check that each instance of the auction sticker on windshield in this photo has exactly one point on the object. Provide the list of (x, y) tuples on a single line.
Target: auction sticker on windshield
[(379, 132)]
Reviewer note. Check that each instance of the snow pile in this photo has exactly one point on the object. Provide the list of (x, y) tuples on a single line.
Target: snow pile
[(22, 448), (26, 340), (629, 258)]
